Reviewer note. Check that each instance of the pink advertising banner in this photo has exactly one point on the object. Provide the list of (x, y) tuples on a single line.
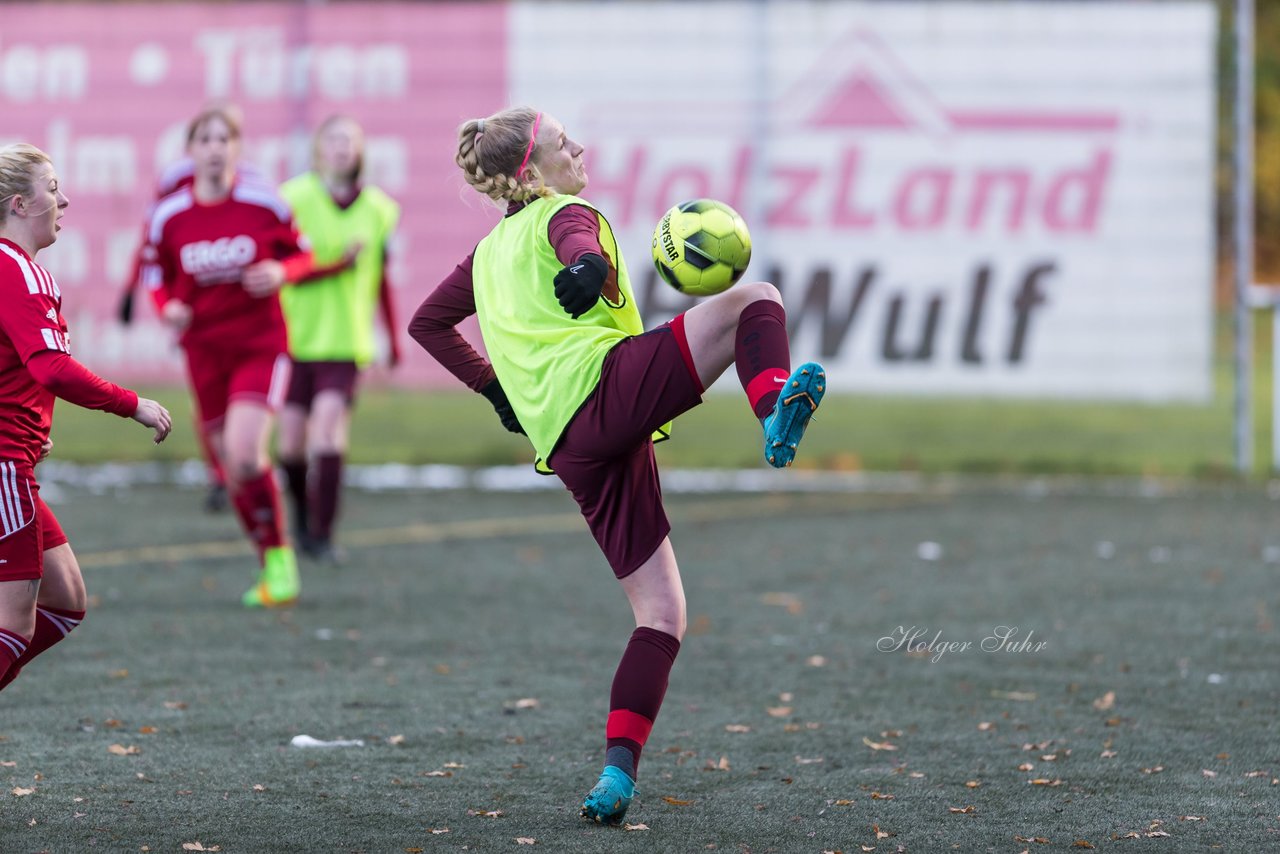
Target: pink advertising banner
[(107, 91)]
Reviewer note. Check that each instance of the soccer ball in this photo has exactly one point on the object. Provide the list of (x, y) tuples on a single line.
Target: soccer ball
[(701, 247)]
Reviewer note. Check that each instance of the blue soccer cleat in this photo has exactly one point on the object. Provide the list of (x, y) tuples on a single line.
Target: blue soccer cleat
[(607, 803), (785, 426)]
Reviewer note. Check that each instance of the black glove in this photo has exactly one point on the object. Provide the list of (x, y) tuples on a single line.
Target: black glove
[(578, 286), (494, 394), (125, 310)]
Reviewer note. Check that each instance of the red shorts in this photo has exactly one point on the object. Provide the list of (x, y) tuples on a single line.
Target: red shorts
[(308, 379), (221, 377), (605, 455), (28, 527)]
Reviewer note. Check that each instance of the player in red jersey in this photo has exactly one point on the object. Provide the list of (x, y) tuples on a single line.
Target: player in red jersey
[(42, 595), (221, 249), (177, 176)]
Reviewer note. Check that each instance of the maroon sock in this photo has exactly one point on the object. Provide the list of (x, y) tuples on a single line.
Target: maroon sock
[(324, 497), (638, 688), (258, 505), (295, 480), (762, 354), (52, 625), (12, 648)]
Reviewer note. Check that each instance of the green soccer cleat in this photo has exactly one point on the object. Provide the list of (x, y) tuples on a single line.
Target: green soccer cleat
[(607, 803), (785, 426), (278, 585)]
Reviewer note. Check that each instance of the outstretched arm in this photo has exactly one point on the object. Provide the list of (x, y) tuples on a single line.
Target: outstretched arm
[(434, 326), (74, 383)]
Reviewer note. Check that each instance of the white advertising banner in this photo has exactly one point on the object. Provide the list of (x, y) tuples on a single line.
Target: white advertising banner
[(959, 198)]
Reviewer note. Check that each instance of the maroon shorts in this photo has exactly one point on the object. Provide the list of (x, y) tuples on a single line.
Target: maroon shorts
[(28, 527), (220, 377), (605, 455), (308, 379)]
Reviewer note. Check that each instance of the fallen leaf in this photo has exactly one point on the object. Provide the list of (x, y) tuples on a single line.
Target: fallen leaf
[(1153, 834), (878, 745), (842, 802), (1017, 696), (985, 726), (737, 728), (121, 750), (1082, 843), (1044, 781), (1247, 773), (527, 703), (784, 600), (13, 764), (877, 796), (881, 834), (868, 848), (196, 846), (1206, 772), (816, 661), (779, 711), (1039, 840), (525, 840), (438, 774), (438, 830), (676, 802), (413, 851), (453, 765), (258, 787), (635, 827), (1155, 770), (1108, 754), (804, 760), (1026, 766), (969, 810), (1050, 757), (112, 723), (147, 730), (120, 674), (396, 739), (1105, 702), (972, 784), (1191, 818), (917, 775), (19, 792), (175, 706)]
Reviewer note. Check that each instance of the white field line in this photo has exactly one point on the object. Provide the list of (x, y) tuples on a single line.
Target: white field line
[(768, 506)]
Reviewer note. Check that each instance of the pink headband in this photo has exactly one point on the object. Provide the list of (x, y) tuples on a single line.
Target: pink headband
[(523, 163)]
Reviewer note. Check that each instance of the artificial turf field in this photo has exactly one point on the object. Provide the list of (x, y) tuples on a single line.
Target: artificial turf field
[(470, 643)]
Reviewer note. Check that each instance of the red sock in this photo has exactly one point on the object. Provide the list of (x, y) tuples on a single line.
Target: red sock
[(762, 354), (52, 625), (324, 497), (12, 648), (257, 503), (638, 688), (295, 481)]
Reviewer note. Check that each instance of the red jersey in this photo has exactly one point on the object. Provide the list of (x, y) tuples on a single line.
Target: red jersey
[(199, 253), (30, 322)]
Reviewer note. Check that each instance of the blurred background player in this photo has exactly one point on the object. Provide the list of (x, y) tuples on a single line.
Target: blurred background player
[(178, 175), (42, 595), (573, 368), (349, 226), (221, 249)]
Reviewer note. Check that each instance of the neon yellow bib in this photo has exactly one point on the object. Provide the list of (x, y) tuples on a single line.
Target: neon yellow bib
[(548, 363), (332, 319)]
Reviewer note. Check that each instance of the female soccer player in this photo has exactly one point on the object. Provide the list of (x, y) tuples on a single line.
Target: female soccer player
[(330, 322), (573, 369), (221, 249), (42, 595)]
